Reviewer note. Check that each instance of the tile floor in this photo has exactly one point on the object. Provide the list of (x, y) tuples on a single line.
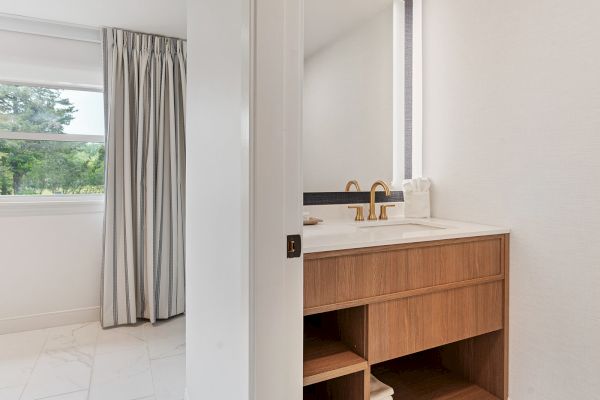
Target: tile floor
[(85, 362)]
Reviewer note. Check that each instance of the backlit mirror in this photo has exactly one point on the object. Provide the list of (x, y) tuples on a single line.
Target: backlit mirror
[(357, 108)]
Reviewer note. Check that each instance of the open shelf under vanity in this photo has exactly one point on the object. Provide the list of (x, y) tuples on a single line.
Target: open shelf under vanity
[(423, 376), (334, 370), (328, 359), (334, 355)]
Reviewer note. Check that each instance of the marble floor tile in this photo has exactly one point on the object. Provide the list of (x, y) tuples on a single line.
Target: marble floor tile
[(168, 375), (124, 375), (79, 335), (121, 338), (81, 395), (11, 392), (166, 338), (18, 354), (60, 371), (85, 362)]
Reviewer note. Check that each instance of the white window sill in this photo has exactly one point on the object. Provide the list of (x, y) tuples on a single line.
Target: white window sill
[(16, 206)]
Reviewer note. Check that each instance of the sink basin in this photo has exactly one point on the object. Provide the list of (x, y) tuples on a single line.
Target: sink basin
[(370, 231), (401, 227)]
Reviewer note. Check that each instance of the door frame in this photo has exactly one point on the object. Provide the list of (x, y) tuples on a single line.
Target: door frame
[(276, 282)]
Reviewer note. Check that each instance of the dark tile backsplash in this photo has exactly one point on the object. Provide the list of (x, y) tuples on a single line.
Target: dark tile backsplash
[(324, 198)]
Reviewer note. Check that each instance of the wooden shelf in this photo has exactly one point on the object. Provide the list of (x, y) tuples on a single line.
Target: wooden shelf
[(422, 382), (329, 359)]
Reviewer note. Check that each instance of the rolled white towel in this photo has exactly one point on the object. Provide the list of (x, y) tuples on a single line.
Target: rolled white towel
[(379, 390), (416, 198)]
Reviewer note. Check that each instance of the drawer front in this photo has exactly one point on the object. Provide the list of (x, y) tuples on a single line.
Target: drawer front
[(400, 327), (361, 275)]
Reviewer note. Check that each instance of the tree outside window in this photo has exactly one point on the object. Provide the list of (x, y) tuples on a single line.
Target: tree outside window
[(37, 155)]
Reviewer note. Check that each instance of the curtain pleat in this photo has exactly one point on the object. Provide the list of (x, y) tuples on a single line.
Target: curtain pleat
[(143, 262)]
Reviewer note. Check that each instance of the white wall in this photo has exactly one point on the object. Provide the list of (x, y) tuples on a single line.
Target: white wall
[(217, 146), (152, 16), (327, 20), (512, 137), (348, 108), (49, 268)]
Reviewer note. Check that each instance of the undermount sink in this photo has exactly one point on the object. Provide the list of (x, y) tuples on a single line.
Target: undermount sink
[(401, 227)]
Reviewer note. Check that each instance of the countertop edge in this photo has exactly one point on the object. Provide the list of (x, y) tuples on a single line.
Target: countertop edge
[(394, 241)]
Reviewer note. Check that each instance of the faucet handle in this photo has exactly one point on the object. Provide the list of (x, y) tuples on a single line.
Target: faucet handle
[(359, 213), (383, 211)]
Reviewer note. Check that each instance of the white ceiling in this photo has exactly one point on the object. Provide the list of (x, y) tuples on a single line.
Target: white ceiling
[(327, 20), (165, 17)]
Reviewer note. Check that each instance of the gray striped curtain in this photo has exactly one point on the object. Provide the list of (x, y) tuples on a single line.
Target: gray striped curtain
[(143, 262)]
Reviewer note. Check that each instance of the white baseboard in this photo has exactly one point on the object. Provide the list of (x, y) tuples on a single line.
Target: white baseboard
[(49, 320)]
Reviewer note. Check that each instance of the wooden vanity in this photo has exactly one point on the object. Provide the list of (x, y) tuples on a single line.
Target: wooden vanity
[(428, 318)]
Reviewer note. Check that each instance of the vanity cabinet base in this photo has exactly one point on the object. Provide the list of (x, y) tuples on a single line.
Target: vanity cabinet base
[(428, 319)]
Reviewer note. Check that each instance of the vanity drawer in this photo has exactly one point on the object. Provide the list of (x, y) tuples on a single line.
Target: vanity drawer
[(400, 327), (360, 276)]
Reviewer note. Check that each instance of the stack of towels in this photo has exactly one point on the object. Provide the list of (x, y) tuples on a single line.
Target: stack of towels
[(380, 391)]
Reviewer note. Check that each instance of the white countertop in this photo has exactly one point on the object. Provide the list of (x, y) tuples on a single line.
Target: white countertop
[(340, 235)]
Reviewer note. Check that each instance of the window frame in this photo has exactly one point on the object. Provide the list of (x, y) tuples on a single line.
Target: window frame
[(54, 203)]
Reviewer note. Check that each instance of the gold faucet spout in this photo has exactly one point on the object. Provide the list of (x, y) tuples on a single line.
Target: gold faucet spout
[(386, 188), (351, 183)]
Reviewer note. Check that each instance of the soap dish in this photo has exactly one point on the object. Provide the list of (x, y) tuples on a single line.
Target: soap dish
[(312, 221)]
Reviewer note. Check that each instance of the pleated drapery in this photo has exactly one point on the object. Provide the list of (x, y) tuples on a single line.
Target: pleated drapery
[(143, 262)]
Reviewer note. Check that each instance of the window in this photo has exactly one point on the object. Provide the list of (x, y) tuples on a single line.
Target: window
[(51, 140), (51, 115)]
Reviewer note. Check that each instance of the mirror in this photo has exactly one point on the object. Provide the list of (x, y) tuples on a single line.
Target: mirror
[(354, 93)]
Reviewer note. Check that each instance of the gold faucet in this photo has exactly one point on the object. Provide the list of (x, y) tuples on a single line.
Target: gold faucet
[(359, 209), (349, 185), (372, 214)]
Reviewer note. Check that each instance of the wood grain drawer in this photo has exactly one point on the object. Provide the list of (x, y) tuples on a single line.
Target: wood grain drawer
[(351, 275), (400, 327)]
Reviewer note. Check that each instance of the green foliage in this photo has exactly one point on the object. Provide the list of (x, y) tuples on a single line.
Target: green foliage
[(34, 109), (44, 167)]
